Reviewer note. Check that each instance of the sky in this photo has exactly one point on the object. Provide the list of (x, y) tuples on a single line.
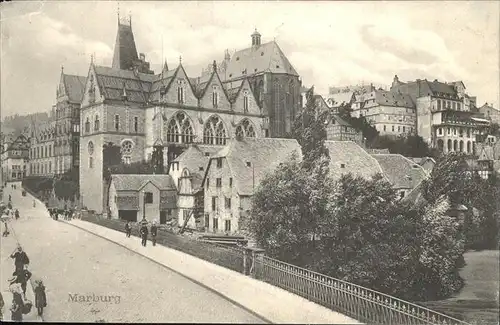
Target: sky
[(329, 43)]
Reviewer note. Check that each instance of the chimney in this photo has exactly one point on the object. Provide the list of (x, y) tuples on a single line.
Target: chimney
[(143, 57)]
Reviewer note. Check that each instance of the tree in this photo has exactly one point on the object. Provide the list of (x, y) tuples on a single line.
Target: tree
[(369, 132), (441, 251), (309, 131), (409, 146), (67, 185)]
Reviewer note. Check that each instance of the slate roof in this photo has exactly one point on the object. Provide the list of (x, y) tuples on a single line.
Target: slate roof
[(387, 98), (264, 154), (75, 86), (195, 157), (401, 171), (353, 158), (267, 57), (125, 52), (340, 121), (134, 182), (113, 81)]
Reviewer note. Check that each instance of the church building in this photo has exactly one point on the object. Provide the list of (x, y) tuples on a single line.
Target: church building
[(160, 115)]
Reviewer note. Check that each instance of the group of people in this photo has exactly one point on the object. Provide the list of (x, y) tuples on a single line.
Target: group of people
[(143, 231), (17, 286), (66, 213)]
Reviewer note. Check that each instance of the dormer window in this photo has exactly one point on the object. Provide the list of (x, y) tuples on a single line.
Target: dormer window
[(230, 75), (207, 154), (261, 53), (277, 66), (180, 91), (237, 58), (249, 164), (244, 71), (96, 123), (342, 165)]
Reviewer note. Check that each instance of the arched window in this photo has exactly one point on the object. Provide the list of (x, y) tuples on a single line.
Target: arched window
[(260, 93), (96, 123), (87, 125), (179, 129), (214, 132), (468, 147), (455, 145), (440, 144), (450, 145), (126, 151), (461, 146), (245, 129), (277, 106)]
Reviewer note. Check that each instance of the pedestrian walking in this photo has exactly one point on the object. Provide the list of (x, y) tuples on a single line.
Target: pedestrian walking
[(40, 297), (20, 258), (154, 232), (10, 198), (5, 232), (128, 229), (16, 214), (144, 233), (22, 277), (34, 203), (17, 301)]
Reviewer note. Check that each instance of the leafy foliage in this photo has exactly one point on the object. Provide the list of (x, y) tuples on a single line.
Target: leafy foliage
[(67, 186), (410, 146), (309, 131)]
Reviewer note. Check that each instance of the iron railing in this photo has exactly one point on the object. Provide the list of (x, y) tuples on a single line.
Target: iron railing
[(358, 302)]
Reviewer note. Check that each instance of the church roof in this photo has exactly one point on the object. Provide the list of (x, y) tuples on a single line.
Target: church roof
[(75, 86), (257, 152), (267, 57), (135, 182), (125, 52), (112, 82)]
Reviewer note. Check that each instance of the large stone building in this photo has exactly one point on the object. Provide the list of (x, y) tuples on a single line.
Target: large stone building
[(42, 149), (274, 81), (390, 113), (447, 118), (67, 122), (14, 157), (158, 115), (491, 113)]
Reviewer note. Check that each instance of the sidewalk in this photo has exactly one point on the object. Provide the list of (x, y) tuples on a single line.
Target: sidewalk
[(269, 302)]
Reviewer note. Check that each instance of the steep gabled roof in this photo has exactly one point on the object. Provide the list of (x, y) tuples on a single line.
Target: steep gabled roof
[(74, 86), (134, 182), (347, 157), (214, 74), (258, 59), (112, 82), (340, 121), (340, 99), (401, 171), (388, 98), (125, 52), (263, 154)]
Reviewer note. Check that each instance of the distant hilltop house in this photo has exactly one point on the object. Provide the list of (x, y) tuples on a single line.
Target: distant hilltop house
[(447, 117), (491, 113), (14, 157), (339, 129)]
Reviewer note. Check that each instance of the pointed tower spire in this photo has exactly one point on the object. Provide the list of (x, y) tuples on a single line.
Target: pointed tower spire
[(118, 12), (165, 66), (215, 66), (125, 51), (62, 68), (180, 59)]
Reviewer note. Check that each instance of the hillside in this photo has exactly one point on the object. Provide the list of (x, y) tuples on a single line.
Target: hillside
[(17, 123)]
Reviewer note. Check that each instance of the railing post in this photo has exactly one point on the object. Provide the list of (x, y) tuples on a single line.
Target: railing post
[(245, 256), (257, 253)]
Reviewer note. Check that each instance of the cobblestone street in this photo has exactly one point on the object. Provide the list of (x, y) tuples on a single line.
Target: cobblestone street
[(71, 261)]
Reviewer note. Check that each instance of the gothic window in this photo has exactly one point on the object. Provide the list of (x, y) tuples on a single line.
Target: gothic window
[(126, 151), (214, 132), (245, 101), (179, 129), (260, 93), (117, 122), (90, 148), (245, 129), (215, 97), (291, 96), (136, 124), (96, 123), (180, 91)]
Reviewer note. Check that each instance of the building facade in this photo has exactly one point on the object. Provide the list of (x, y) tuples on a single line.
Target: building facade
[(67, 122), (338, 129), (137, 197), (15, 158), (390, 113), (159, 115), (491, 113), (233, 174), (447, 118), (42, 157), (275, 82)]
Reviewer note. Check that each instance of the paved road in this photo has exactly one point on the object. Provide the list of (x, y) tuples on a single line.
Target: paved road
[(73, 262)]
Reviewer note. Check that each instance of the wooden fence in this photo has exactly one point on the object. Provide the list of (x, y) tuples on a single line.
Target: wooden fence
[(349, 299)]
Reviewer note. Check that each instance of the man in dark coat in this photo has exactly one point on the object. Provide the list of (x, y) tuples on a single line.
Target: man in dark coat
[(20, 258), (128, 229), (154, 232), (144, 233)]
